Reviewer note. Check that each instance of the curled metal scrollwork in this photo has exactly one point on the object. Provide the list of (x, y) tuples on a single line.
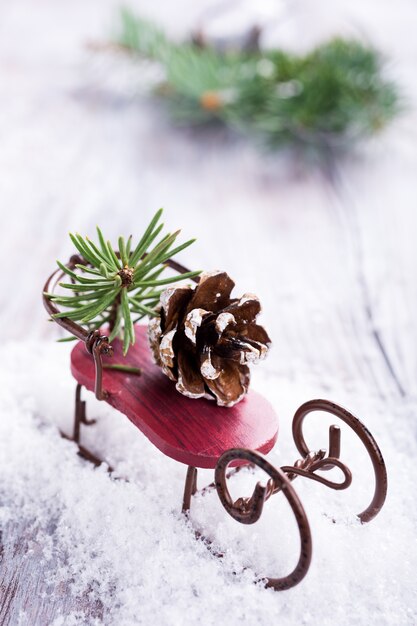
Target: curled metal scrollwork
[(95, 343), (314, 462), (249, 510), (364, 435)]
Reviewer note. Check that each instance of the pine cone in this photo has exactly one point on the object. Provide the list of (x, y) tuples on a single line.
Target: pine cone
[(204, 340)]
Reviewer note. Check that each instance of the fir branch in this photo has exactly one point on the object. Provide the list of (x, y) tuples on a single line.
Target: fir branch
[(118, 288), (335, 93)]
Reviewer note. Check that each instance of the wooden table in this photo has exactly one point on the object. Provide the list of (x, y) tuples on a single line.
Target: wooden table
[(330, 250)]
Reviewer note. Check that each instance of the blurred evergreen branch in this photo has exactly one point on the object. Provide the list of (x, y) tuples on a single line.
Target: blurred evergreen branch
[(119, 288), (335, 93)]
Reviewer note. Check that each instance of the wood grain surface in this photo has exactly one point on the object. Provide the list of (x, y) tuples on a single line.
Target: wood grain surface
[(330, 250), (194, 432)]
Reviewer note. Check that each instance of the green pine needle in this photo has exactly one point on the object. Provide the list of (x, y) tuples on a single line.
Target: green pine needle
[(128, 369), (327, 98), (118, 288)]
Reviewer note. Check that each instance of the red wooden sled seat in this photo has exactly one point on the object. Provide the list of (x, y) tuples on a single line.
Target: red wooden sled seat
[(194, 432)]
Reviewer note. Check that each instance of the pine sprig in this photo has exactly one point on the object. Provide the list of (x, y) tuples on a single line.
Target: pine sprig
[(118, 288), (335, 93)]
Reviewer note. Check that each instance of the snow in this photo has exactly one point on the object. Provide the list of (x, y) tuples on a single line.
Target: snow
[(128, 547)]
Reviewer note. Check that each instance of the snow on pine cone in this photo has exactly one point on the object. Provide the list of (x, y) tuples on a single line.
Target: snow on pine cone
[(204, 340)]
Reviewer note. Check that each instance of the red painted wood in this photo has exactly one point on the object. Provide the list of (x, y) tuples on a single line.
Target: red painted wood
[(195, 432)]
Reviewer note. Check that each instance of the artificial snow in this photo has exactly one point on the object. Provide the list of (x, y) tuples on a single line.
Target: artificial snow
[(126, 548)]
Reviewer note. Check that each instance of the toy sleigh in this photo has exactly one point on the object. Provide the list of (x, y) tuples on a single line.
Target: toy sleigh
[(201, 434)]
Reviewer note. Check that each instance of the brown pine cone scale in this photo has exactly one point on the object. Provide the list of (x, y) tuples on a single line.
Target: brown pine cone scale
[(204, 340)]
